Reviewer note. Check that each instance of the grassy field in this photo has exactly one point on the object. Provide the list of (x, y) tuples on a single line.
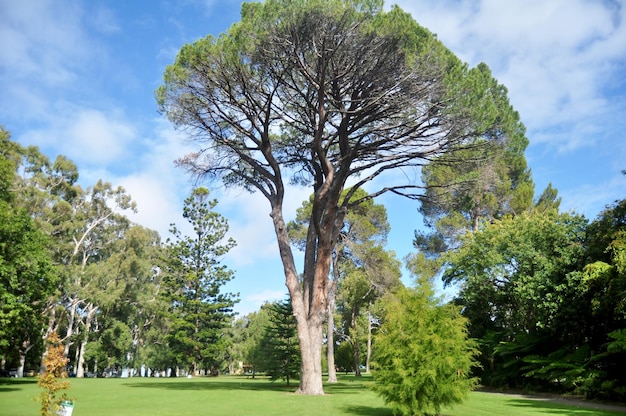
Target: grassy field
[(239, 396)]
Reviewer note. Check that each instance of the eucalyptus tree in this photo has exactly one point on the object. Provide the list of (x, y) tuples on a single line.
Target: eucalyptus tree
[(324, 94), (87, 241), (124, 294), (198, 309)]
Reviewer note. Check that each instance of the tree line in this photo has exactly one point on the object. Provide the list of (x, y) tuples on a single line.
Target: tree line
[(118, 297)]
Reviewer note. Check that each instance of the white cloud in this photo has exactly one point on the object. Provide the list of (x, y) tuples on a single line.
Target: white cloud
[(590, 199), (86, 135), (253, 302), (554, 57), (37, 38)]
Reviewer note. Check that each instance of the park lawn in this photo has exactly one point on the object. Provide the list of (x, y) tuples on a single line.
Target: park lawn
[(239, 396)]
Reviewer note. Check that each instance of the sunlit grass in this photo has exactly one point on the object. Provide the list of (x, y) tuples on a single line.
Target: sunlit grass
[(239, 396)]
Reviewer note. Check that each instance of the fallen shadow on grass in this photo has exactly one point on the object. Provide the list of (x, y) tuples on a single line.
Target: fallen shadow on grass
[(14, 384), (558, 407), (212, 384), (238, 383), (368, 411)]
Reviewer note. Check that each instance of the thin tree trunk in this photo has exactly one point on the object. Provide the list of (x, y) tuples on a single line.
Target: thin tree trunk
[(330, 339), (91, 313), (355, 345), (369, 342), (70, 326), (330, 324)]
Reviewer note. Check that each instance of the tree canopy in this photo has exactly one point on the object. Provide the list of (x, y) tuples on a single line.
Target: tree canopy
[(320, 93)]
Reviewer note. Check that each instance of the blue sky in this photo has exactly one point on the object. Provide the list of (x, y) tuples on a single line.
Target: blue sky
[(77, 78)]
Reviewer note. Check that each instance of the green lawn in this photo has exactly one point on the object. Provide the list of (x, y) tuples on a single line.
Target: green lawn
[(235, 396)]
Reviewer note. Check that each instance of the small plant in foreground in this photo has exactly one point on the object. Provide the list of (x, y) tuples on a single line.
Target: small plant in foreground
[(422, 356), (51, 380)]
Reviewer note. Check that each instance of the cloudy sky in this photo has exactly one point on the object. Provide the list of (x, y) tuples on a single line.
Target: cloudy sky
[(77, 78)]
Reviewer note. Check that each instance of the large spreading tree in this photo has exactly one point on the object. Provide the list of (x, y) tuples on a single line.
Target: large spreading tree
[(327, 94)]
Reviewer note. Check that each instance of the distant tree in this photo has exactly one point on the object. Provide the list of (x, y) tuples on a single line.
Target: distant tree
[(254, 349), (367, 278), (280, 343), (325, 94), (194, 276), (344, 357), (422, 353)]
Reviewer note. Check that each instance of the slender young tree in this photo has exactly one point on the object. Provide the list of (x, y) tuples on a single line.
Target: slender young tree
[(280, 343), (199, 310), (423, 354), (324, 94)]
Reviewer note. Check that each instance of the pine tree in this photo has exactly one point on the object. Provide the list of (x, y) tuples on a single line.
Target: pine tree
[(280, 343), (422, 354), (199, 311)]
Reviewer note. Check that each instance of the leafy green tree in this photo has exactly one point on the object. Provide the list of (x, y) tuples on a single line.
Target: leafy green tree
[(322, 94), (422, 353), (40, 189), (604, 280), (370, 275), (521, 290), (27, 275), (89, 240), (198, 310), (279, 345), (344, 357), (248, 337)]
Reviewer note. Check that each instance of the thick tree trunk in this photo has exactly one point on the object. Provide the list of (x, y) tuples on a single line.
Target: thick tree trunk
[(52, 327), (308, 302), (20, 369), (311, 357), (26, 346)]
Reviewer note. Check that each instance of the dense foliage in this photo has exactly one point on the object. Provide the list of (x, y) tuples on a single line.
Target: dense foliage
[(72, 263), (279, 345), (198, 310), (423, 356), (544, 292)]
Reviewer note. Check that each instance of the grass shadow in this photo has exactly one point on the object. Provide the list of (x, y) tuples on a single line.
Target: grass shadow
[(213, 384), (367, 411), (14, 384), (548, 407)]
